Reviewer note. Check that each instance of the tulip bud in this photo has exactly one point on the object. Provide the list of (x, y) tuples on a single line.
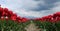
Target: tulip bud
[(2, 17), (6, 18)]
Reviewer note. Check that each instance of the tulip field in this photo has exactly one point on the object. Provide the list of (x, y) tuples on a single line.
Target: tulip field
[(9, 21)]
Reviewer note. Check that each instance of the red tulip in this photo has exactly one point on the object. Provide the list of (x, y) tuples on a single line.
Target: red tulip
[(57, 18), (5, 9), (3, 13), (56, 14), (14, 15), (18, 19), (24, 20), (52, 20), (10, 13), (1, 9), (13, 18)]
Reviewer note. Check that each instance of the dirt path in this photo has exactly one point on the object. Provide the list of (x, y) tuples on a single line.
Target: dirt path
[(32, 27)]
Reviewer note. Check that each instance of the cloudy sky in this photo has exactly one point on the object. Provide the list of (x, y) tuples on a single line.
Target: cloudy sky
[(32, 8)]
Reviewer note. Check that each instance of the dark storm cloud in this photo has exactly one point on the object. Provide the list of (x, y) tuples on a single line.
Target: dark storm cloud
[(43, 7), (36, 0), (51, 1), (48, 4)]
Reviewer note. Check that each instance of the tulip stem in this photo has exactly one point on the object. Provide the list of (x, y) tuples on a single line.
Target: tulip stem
[(55, 27), (2, 29), (44, 27), (10, 30)]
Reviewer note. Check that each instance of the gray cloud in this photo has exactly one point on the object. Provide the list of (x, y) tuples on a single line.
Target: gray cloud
[(48, 4), (51, 1)]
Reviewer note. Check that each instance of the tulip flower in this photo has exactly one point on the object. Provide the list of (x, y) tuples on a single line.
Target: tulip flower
[(18, 19), (24, 20), (56, 14), (10, 13), (6, 18), (2, 17), (13, 18), (3, 13), (1, 9), (5, 9)]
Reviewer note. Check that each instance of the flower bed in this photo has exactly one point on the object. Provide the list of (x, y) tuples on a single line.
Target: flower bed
[(9, 21), (50, 22)]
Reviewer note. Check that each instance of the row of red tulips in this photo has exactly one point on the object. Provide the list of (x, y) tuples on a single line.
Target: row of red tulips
[(6, 14), (50, 18)]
